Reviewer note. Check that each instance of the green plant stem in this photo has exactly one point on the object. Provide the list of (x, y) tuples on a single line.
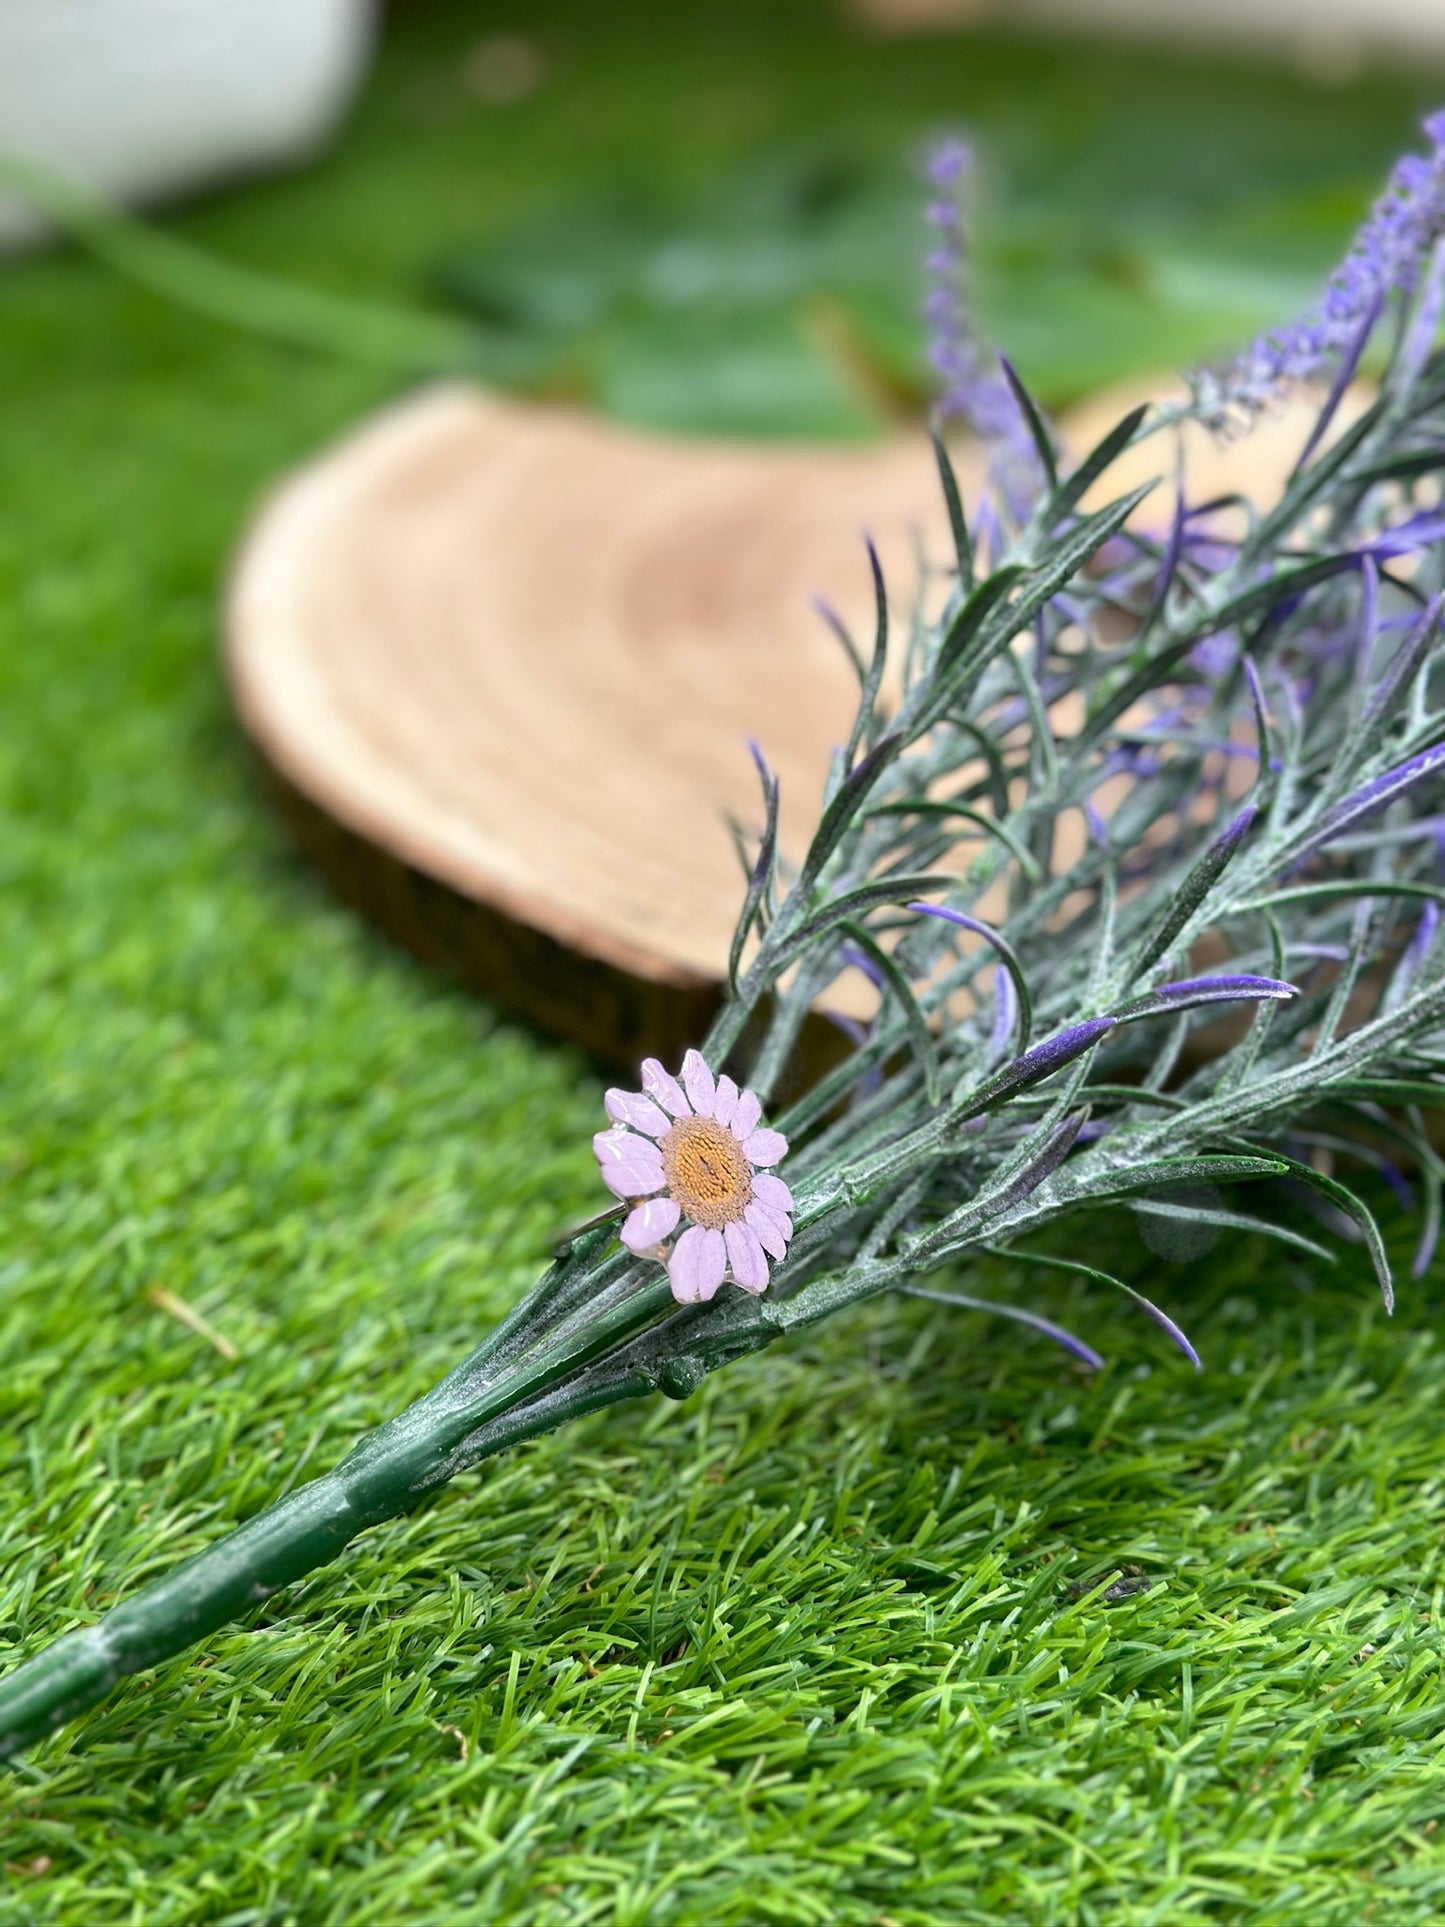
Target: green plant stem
[(386, 1473), (415, 341)]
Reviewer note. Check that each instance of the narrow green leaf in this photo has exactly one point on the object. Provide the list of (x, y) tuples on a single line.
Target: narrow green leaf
[(1355, 1208), (1304, 490), (1185, 1170), (1030, 1068), (1233, 1221), (1401, 468), (1391, 1090), (1001, 948), (997, 774), (1094, 464), (1194, 890), (1137, 1094), (1344, 888), (763, 871), (840, 629), (962, 1302), (962, 545), (926, 806), (844, 807), (919, 1036), (994, 627), (853, 903), (1161, 1318), (1037, 1161), (1281, 586), (873, 681), (1039, 434), (970, 618)]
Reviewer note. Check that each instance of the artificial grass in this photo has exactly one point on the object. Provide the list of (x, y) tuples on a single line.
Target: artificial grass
[(809, 1648)]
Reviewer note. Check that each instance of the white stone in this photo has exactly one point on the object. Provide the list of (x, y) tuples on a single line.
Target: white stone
[(140, 100)]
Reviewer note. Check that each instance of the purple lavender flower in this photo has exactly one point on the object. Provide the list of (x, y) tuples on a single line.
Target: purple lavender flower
[(860, 960), (1386, 259), (969, 388), (1191, 993), (1005, 1013), (1227, 989), (1056, 1051), (1006, 1003), (1374, 795), (1416, 951), (695, 1150), (972, 388), (1215, 656), (1417, 532)]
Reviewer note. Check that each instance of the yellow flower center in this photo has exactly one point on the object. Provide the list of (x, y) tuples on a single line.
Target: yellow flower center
[(707, 1173)]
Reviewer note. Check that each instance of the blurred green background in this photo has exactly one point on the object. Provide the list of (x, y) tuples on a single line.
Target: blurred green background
[(711, 218)]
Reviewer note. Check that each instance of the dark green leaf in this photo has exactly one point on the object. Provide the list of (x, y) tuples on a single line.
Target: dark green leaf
[(919, 1036), (1094, 464), (962, 546), (1281, 585), (1343, 888), (1194, 1213), (1191, 894), (761, 879), (872, 682), (1039, 434), (970, 618), (993, 630), (844, 807), (854, 902), (1341, 1196), (926, 806), (1030, 1068)]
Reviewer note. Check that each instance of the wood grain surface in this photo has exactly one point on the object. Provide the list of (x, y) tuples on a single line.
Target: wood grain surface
[(503, 662)]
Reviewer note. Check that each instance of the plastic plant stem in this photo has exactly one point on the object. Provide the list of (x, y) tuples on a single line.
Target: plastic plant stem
[(386, 1473)]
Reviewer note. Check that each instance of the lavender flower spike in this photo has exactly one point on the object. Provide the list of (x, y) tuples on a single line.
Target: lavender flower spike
[(1231, 989), (1375, 795), (1385, 261), (1034, 1065), (970, 388), (1190, 993)]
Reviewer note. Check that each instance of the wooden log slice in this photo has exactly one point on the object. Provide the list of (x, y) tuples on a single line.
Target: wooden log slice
[(503, 663)]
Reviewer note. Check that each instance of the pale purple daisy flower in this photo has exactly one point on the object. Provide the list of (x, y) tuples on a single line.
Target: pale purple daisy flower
[(696, 1153)]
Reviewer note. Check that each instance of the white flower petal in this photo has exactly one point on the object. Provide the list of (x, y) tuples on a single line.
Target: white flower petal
[(697, 1082), (765, 1147), (649, 1224), (631, 1166), (773, 1193), (749, 1110), (745, 1258), (773, 1231), (725, 1103), (664, 1089), (696, 1267), (631, 1107)]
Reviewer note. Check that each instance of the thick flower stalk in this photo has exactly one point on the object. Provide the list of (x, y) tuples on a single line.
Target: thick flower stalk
[(1253, 760)]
